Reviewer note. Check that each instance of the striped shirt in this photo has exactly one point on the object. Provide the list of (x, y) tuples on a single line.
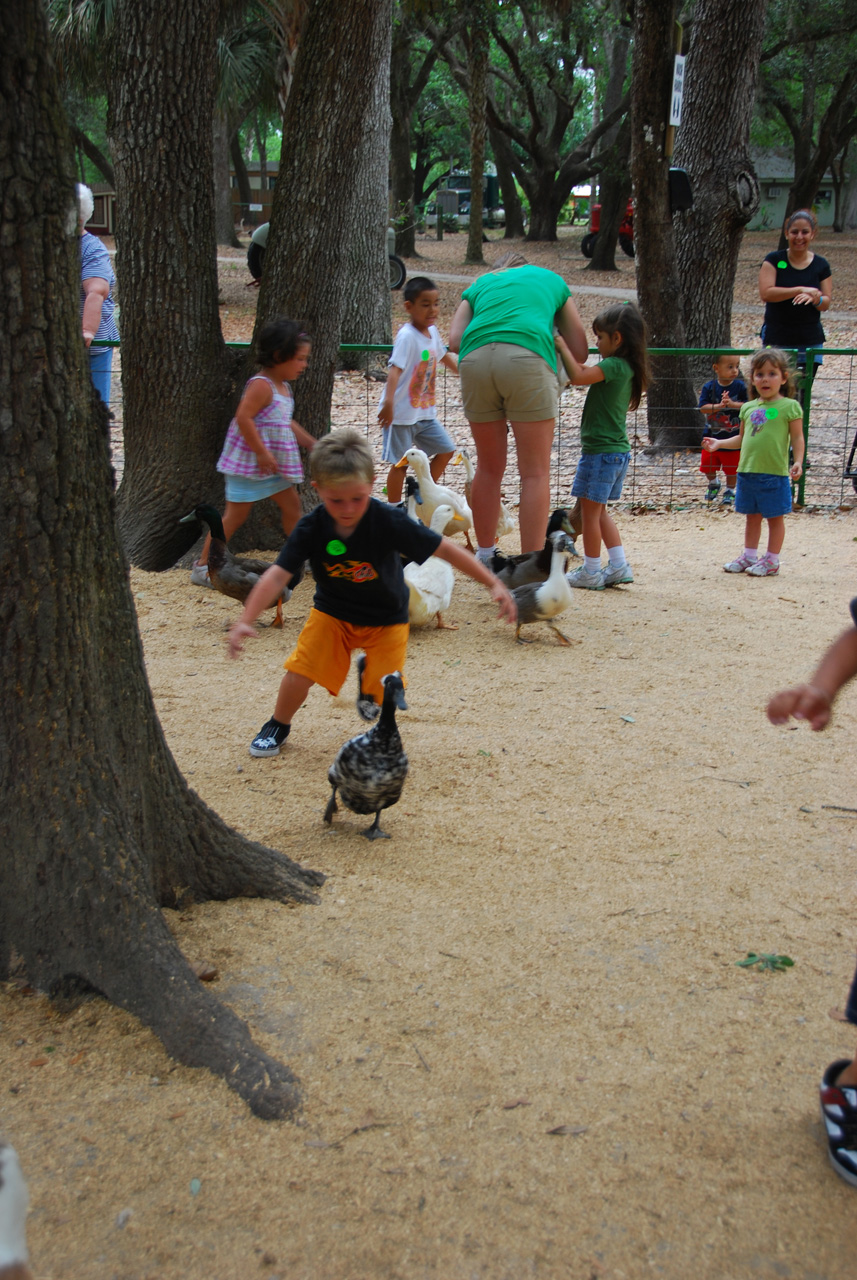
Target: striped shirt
[(273, 425), (95, 264)]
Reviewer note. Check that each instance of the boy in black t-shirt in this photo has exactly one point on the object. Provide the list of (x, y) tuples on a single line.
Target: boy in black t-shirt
[(720, 400), (352, 542)]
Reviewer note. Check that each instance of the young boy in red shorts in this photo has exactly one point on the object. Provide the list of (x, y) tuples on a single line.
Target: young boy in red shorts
[(720, 400)]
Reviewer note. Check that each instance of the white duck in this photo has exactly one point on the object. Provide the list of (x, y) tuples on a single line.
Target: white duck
[(506, 523), (434, 494), (430, 583), (542, 601), (14, 1199)]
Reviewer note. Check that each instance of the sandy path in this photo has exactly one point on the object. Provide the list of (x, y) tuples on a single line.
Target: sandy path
[(589, 840)]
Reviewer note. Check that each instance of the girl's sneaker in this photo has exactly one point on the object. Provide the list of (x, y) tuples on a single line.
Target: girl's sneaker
[(742, 565), (839, 1113), (728, 497), (763, 568), (615, 575), (712, 491), (589, 581)]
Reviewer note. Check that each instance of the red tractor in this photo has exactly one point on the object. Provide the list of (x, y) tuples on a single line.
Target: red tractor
[(626, 231)]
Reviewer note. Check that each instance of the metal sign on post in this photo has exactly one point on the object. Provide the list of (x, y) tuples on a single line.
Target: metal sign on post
[(678, 89)]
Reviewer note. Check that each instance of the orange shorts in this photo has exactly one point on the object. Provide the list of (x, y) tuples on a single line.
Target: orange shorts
[(325, 645)]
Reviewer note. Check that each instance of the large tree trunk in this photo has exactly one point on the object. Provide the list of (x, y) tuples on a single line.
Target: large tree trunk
[(368, 315), (672, 417), (512, 206), (224, 217), (713, 146), (97, 825), (476, 40), (177, 380), (314, 212), (401, 169), (614, 192)]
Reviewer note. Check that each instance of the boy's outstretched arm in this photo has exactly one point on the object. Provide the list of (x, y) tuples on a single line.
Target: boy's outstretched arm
[(814, 701), (385, 409), (467, 563), (269, 588)]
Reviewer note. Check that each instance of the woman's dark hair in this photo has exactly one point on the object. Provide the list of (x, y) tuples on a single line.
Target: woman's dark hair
[(279, 340), (801, 214), (625, 319)]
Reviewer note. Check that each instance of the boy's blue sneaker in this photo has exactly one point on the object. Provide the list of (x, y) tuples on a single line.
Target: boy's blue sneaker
[(839, 1113), (616, 575), (589, 581), (712, 491), (269, 739)]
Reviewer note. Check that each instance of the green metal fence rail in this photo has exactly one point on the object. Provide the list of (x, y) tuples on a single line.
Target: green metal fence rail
[(663, 477)]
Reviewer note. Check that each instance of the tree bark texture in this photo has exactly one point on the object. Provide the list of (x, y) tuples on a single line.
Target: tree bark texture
[(614, 187), (98, 828), (512, 206), (368, 311), (404, 96), (224, 217), (177, 379), (672, 417), (714, 148), (315, 202), (476, 41)]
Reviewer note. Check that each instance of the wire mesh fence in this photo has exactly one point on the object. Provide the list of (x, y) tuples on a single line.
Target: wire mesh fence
[(666, 475)]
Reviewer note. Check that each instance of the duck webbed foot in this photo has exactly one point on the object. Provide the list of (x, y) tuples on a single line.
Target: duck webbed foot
[(445, 626), (374, 832), (561, 637), (332, 807)]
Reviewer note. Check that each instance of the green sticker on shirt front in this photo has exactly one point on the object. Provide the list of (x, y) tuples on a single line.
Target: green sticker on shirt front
[(782, 265), (769, 413), (425, 355), (335, 547)]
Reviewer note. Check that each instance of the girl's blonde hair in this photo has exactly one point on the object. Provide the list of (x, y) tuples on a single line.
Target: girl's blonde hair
[(625, 319), (779, 359), (340, 456)]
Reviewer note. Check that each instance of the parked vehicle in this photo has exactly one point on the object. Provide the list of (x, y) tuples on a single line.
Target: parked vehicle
[(626, 231), (259, 243)]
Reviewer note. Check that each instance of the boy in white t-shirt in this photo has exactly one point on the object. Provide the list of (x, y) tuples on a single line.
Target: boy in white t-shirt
[(407, 409)]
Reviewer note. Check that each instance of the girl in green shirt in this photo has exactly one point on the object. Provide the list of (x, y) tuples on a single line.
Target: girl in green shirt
[(768, 425)]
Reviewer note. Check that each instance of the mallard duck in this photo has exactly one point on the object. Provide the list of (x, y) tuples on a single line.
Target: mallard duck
[(434, 494), (541, 601), (227, 573), (370, 770), (14, 1199), (532, 566), (430, 583), (506, 523)]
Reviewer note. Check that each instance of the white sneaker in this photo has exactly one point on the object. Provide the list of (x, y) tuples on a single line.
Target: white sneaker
[(614, 575), (589, 581), (199, 575)]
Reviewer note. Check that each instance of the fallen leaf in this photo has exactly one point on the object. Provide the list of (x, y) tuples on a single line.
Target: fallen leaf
[(837, 1015), (205, 972), (77, 1058), (518, 1102), (573, 1130), (39, 1062)]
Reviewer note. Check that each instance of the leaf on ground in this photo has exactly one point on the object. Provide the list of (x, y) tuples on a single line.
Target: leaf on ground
[(205, 972), (573, 1130), (838, 1016), (516, 1102), (766, 960)]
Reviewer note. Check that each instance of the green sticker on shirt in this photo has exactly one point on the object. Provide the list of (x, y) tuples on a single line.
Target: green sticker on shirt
[(769, 414), (782, 265), (335, 547), (425, 355)]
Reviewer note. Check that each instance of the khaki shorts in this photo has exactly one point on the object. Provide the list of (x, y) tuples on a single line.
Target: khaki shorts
[(502, 380), (325, 645)]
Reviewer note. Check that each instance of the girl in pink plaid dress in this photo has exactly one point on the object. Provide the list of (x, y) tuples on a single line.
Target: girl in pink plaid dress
[(260, 457)]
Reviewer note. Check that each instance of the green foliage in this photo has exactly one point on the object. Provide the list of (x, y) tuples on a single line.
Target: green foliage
[(765, 961)]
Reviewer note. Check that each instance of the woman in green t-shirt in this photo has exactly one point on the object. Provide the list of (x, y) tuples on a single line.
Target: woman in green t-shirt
[(503, 331)]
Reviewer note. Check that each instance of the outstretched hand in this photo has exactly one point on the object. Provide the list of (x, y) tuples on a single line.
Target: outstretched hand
[(506, 601), (238, 633), (803, 703)]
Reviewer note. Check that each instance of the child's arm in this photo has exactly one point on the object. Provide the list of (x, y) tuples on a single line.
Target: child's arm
[(257, 395), (467, 563), (269, 588), (814, 701), (581, 375), (731, 442), (385, 411), (303, 438), (798, 446), (451, 361)]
